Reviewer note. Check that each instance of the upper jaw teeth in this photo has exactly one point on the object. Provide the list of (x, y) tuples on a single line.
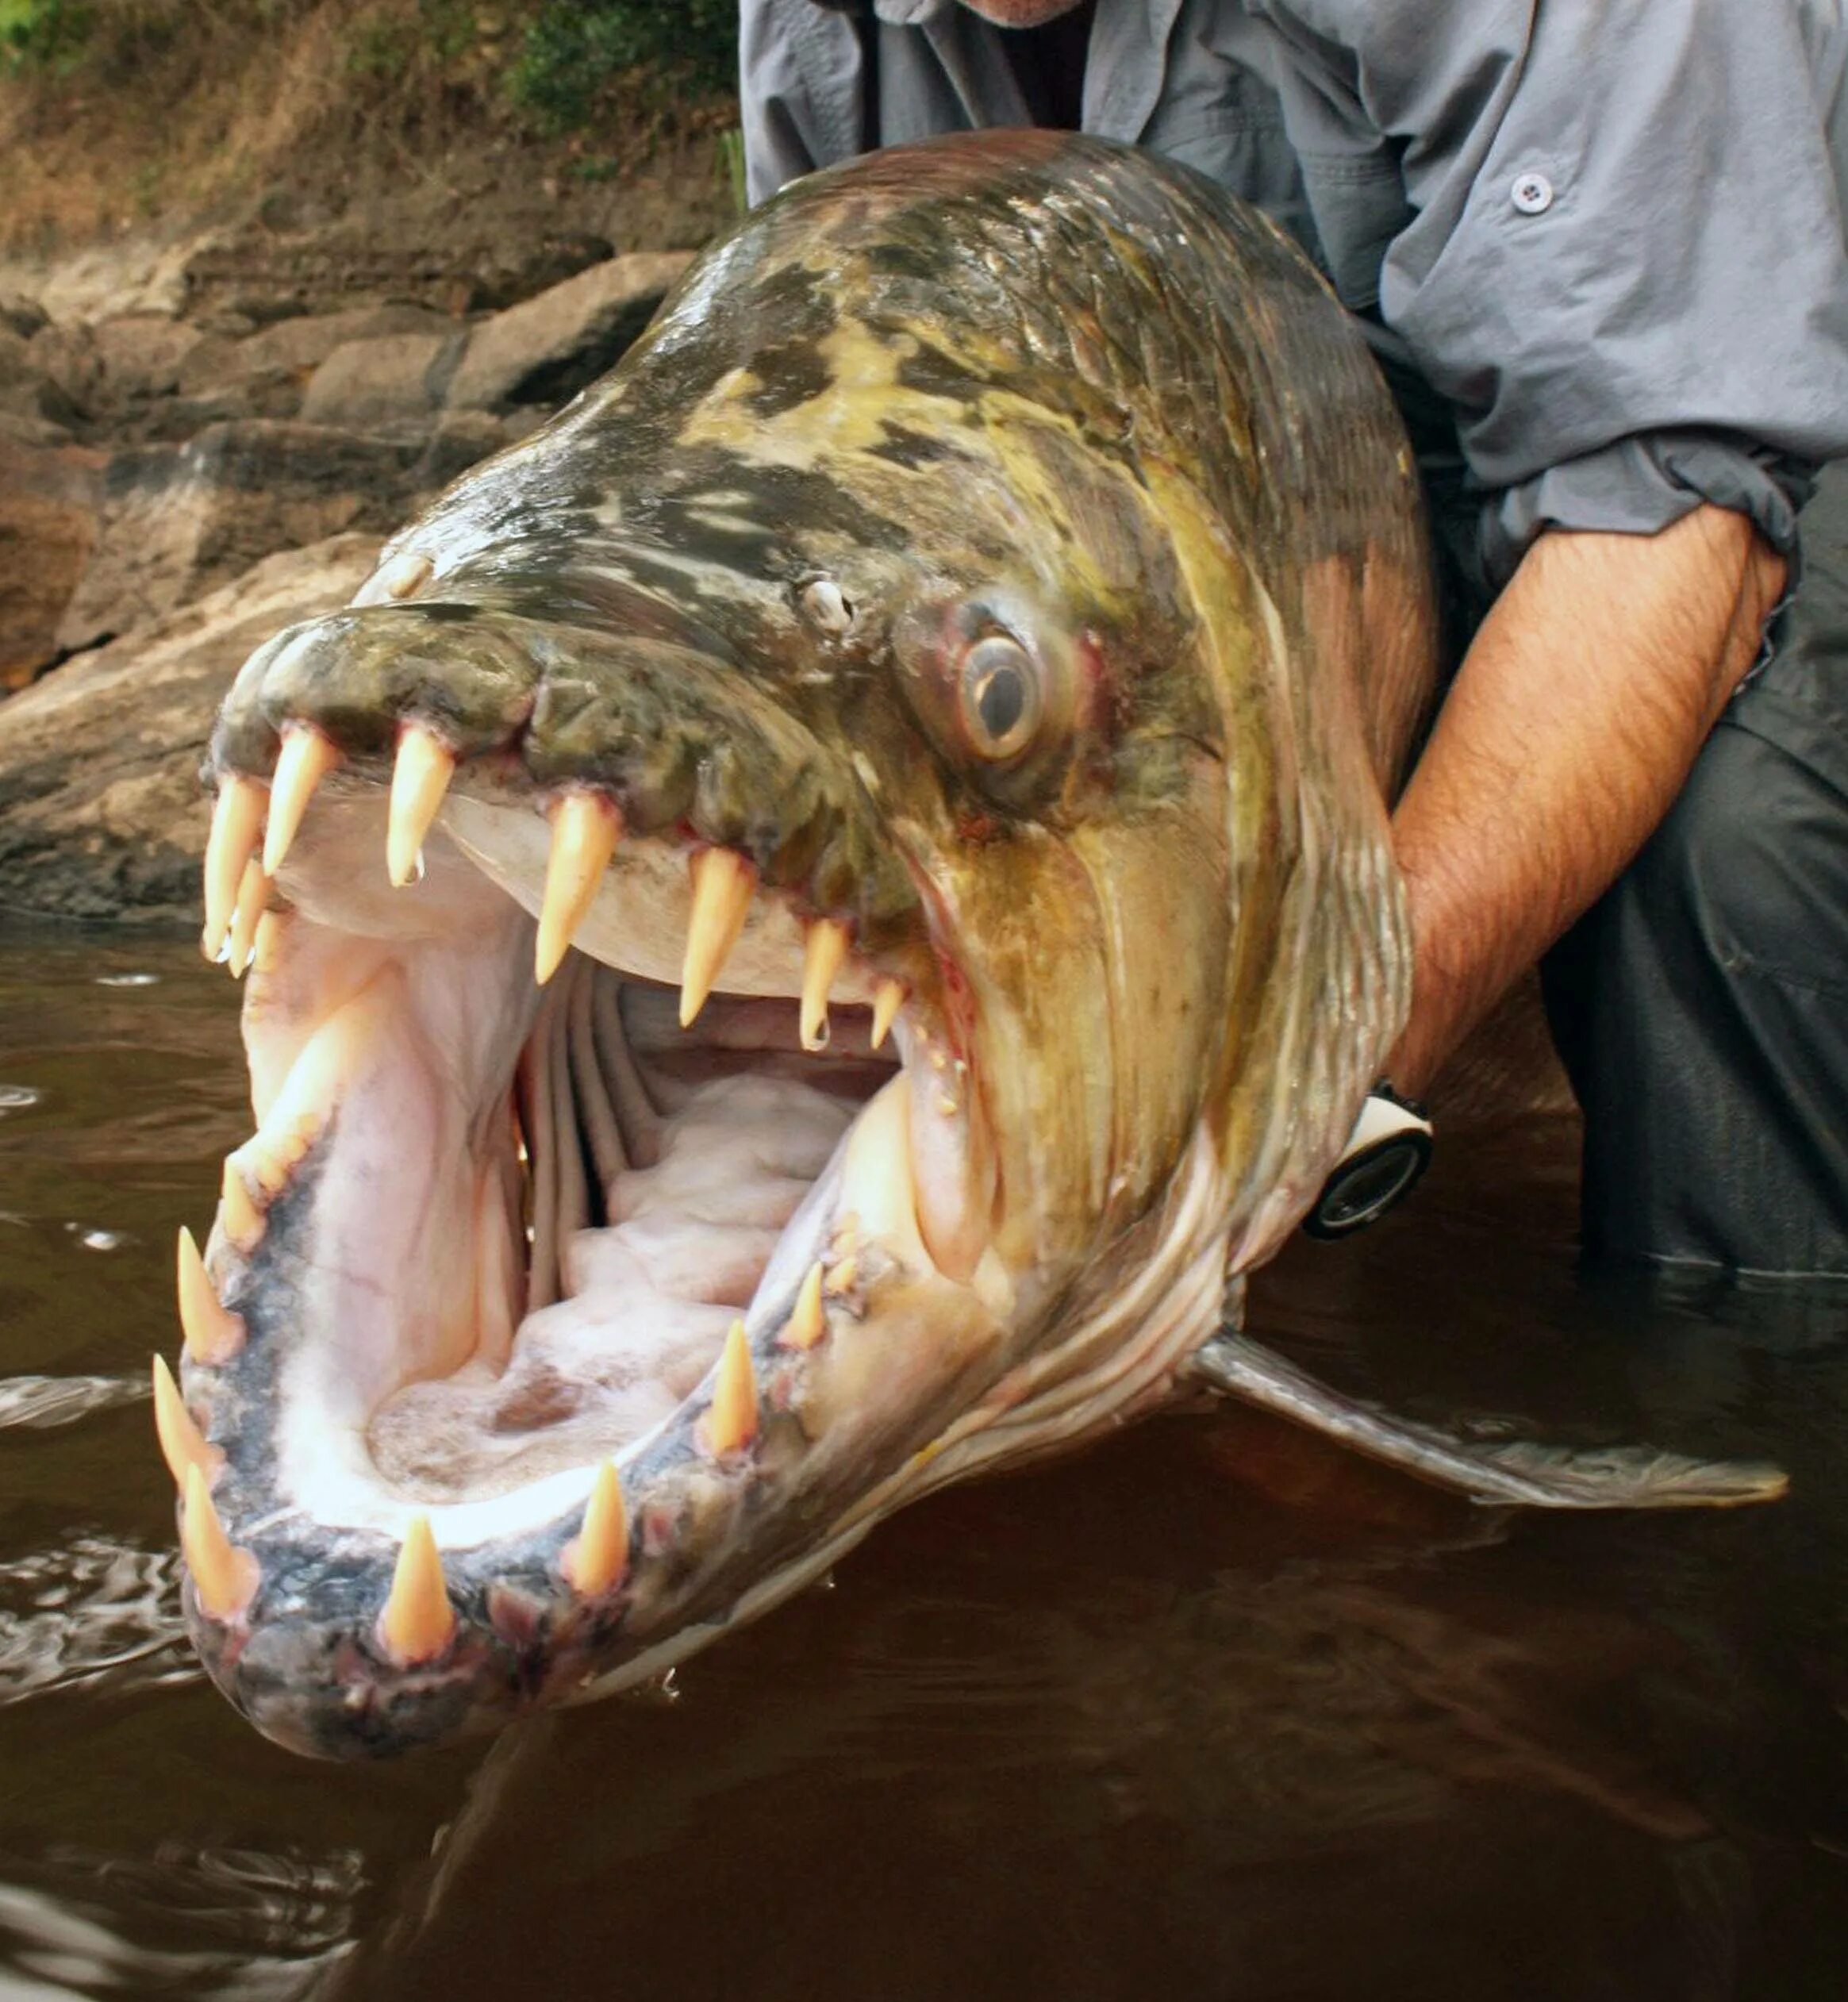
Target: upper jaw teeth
[(253, 831), (911, 1205)]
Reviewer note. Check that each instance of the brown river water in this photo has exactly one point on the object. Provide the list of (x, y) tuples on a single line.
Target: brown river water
[(1210, 1711)]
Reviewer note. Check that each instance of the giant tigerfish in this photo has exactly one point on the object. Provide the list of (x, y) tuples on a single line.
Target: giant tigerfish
[(822, 909)]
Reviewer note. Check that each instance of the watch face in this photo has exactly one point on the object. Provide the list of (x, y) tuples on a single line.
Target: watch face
[(1366, 1185)]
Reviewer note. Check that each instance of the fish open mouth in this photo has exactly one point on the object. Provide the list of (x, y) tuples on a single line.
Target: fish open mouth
[(622, 1228)]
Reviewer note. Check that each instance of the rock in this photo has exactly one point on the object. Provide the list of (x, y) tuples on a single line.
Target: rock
[(461, 438), (299, 346), (270, 276), (143, 355), (50, 500), (546, 350), (140, 272), (65, 360), (21, 315), (102, 814), (501, 274), (393, 383), (265, 374), (26, 427), (21, 386), (179, 521)]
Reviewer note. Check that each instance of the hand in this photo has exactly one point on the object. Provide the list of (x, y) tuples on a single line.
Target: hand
[(1571, 726)]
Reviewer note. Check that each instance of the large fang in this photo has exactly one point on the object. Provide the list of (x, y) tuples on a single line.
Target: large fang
[(722, 882), (236, 819), (822, 957), (419, 779), (306, 758), (585, 829), (224, 1577), (886, 1004), (253, 894), (295, 1116), (596, 1560), (213, 1334), (418, 1619), (182, 1444), (953, 1174), (732, 1421), (807, 1323)]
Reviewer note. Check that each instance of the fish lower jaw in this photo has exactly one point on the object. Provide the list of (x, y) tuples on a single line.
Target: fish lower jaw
[(554, 1319)]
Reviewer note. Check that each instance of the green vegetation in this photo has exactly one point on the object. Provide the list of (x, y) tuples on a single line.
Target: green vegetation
[(554, 64), (41, 34), (575, 50)]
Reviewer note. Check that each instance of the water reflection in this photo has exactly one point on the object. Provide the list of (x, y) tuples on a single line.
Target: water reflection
[(90, 1610), (61, 1401), (72, 1937), (1216, 1711)]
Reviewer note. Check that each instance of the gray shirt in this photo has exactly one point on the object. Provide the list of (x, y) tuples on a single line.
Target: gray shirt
[(1608, 234)]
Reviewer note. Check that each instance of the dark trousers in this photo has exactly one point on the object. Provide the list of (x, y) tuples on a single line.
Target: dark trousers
[(1701, 1006)]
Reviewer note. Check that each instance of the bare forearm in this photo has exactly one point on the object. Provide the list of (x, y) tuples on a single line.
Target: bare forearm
[(1570, 729)]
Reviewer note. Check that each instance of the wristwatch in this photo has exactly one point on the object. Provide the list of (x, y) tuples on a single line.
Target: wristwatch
[(1388, 1151)]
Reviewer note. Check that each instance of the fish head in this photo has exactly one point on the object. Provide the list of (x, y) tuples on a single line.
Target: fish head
[(803, 920)]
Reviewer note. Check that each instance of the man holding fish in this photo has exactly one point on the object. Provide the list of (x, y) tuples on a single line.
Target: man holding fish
[(1599, 255)]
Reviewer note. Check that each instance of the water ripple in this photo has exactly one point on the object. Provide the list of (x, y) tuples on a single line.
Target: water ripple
[(55, 1946), (41, 1402), (94, 1611)]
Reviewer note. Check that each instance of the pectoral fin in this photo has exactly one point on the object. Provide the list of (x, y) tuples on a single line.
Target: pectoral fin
[(1525, 1472)]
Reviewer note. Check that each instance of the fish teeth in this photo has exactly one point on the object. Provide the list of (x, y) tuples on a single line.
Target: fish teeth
[(306, 758), (418, 1621), (213, 1335), (239, 1217), (237, 819), (596, 1561), (730, 1424), (420, 778), (182, 1444), (807, 1322), (586, 828), (886, 1004), (724, 883), (824, 953), (224, 1578), (253, 896)]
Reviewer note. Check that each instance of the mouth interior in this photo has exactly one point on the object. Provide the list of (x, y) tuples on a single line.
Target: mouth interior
[(535, 1214), (663, 1166)]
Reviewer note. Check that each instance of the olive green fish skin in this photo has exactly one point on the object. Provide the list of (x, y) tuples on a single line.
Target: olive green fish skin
[(1029, 377), (1021, 384)]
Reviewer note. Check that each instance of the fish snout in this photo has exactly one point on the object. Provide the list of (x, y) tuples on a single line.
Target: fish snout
[(671, 735)]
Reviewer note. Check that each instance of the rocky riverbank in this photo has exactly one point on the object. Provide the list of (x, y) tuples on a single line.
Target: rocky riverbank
[(212, 452)]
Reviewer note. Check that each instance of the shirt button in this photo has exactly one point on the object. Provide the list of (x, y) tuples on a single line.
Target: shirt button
[(1532, 194)]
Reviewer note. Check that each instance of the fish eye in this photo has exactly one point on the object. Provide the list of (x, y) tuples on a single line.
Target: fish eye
[(999, 697)]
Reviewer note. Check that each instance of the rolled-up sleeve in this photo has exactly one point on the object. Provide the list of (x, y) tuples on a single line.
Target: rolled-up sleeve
[(1622, 265)]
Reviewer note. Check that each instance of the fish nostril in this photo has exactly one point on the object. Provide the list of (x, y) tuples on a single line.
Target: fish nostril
[(823, 606)]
